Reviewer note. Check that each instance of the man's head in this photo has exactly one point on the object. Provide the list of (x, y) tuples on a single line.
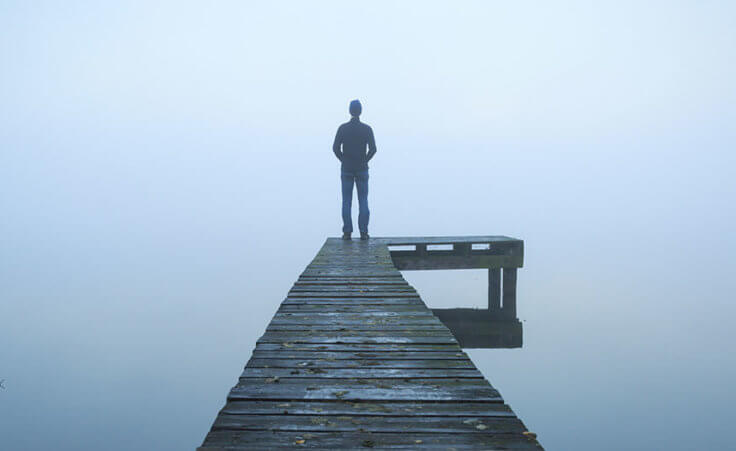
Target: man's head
[(355, 108)]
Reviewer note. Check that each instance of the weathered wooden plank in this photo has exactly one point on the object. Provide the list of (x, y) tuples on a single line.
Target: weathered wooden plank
[(456, 390), (335, 281), (347, 291), (339, 323), (360, 337), (351, 283), (357, 327), (383, 356), (321, 362), (332, 285), (351, 322), (360, 347), (394, 275), (352, 288), (366, 408), (334, 300), (360, 308), (365, 372), (378, 336), (268, 440), (353, 294), (375, 424), (355, 314)]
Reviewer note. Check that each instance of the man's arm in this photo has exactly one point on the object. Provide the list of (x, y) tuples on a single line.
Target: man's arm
[(371, 145), (337, 143)]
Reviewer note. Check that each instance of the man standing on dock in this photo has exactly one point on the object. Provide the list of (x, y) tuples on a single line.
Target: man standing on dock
[(354, 136)]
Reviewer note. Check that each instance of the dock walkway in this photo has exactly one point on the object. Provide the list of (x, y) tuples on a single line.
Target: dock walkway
[(354, 359)]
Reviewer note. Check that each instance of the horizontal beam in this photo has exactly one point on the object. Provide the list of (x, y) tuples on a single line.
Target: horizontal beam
[(411, 260), (411, 240)]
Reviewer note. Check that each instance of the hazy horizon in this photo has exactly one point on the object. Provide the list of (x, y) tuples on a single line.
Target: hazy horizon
[(166, 173)]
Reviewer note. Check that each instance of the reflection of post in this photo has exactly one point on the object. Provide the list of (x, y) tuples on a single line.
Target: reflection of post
[(509, 292), (494, 289)]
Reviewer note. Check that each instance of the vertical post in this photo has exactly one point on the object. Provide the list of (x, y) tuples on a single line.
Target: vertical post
[(494, 289), (421, 250), (509, 292)]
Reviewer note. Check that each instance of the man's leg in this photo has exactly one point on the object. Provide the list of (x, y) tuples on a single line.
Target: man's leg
[(361, 181), (347, 201)]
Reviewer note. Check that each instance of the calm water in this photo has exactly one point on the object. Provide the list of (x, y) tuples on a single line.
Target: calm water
[(166, 174), (131, 302)]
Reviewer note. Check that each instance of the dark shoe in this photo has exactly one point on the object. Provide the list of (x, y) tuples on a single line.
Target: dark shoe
[(364, 236), (346, 236)]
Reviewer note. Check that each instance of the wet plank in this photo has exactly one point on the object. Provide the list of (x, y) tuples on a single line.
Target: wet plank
[(268, 440), (360, 347), (361, 337), (334, 310), (338, 313), (356, 294), (375, 424), (362, 372), (353, 288), (346, 320), (368, 408), (335, 300), (387, 356), (376, 327), (366, 390), (321, 362)]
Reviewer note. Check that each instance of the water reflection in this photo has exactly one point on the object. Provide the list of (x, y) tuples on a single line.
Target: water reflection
[(477, 328)]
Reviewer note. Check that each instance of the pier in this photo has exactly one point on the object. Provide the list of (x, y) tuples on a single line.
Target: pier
[(354, 359)]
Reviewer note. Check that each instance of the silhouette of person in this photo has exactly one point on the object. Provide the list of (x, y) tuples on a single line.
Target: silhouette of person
[(353, 137)]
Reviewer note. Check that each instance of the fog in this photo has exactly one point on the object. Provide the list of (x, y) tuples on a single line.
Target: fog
[(166, 173)]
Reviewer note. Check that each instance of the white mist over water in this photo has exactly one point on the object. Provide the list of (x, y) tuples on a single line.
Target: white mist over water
[(166, 174)]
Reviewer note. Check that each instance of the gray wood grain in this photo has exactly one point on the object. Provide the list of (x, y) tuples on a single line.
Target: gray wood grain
[(366, 390), (268, 440), (369, 408), (353, 359)]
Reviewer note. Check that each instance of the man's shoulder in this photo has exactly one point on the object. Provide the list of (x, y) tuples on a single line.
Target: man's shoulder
[(354, 126)]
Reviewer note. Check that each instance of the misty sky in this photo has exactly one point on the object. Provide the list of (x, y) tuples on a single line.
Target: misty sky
[(166, 173)]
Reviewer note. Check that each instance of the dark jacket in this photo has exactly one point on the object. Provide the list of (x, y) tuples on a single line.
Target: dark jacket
[(354, 136)]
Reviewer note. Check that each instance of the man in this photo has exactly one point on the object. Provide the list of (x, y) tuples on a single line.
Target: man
[(354, 136)]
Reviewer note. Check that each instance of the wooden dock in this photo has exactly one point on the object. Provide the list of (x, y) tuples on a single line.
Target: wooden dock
[(353, 359)]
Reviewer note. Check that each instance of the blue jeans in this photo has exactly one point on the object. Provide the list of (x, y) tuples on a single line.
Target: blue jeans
[(360, 179)]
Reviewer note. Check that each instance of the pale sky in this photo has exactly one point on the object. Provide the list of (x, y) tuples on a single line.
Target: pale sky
[(166, 172)]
